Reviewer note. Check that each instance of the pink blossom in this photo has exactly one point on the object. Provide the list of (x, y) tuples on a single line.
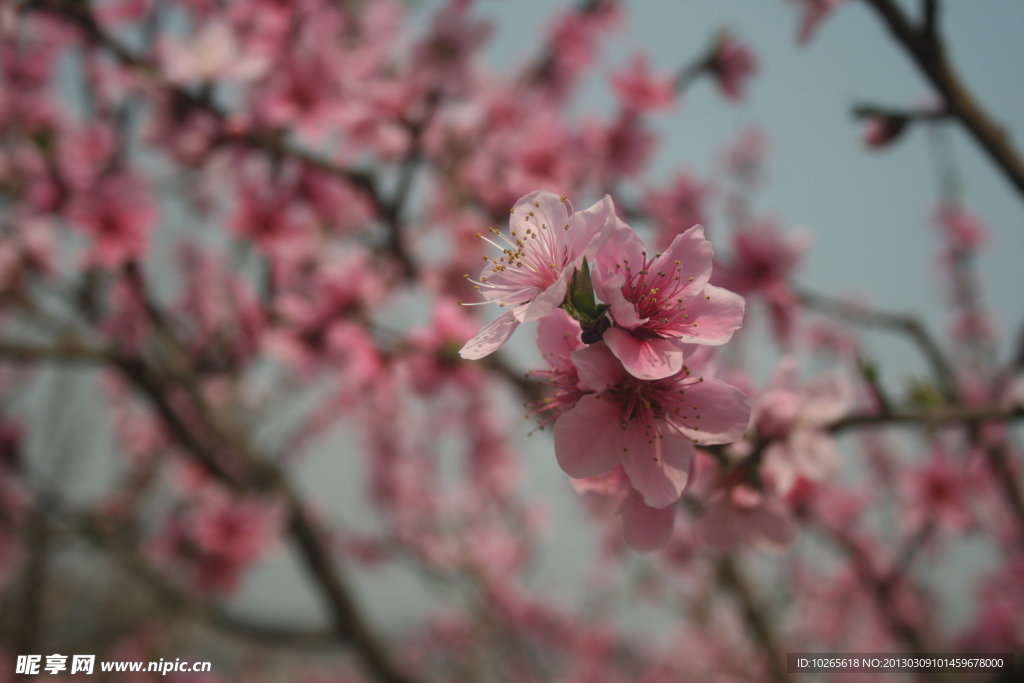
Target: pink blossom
[(763, 260), (117, 213), (814, 12), (448, 49), (879, 131), (732, 64), (744, 158), (547, 243), (794, 417), (961, 230), (640, 91), (678, 207), (213, 54), (647, 426), (558, 336), (659, 304), (621, 148), (432, 358), (645, 528), (938, 492), (266, 215), (737, 515)]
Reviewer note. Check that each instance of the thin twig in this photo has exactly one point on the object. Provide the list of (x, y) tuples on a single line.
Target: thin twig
[(905, 324), (926, 48)]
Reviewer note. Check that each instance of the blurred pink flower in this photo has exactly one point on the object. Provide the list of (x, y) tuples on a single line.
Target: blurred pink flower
[(117, 213), (814, 12), (640, 91), (645, 528), (732, 65), (794, 417), (678, 207)]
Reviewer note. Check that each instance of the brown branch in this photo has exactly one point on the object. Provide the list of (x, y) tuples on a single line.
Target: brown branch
[(185, 603), (731, 578), (934, 417), (926, 48), (882, 590), (905, 324)]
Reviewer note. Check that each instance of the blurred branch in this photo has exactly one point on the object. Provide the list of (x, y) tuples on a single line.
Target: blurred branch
[(933, 417), (732, 578), (183, 602), (33, 589), (883, 590), (926, 48), (78, 14), (905, 324)]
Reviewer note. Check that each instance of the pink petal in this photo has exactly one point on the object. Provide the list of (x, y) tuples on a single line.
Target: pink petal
[(552, 212), (646, 528), (623, 311), (714, 318), (491, 337), (558, 335), (588, 438), (591, 228), (724, 412), (648, 358), (598, 368), (658, 468), (622, 245), (694, 254), (547, 302)]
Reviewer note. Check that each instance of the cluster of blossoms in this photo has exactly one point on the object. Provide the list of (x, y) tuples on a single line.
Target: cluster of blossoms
[(251, 220), (625, 398)]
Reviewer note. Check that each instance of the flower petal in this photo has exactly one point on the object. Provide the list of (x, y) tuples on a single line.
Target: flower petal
[(558, 335), (723, 410), (588, 438), (657, 464), (646, 528), (598, 367), (645, 358), (623, 311), (491, 338), (714, 317), (694, 255)]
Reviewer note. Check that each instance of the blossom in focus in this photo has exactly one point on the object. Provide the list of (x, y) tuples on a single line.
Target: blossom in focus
[(647, 426), (546, 244), (658, 304), (558, 336)]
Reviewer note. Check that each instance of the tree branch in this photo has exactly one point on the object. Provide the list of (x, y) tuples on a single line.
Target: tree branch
[(926, 48), (730, 576), (904, 324)]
